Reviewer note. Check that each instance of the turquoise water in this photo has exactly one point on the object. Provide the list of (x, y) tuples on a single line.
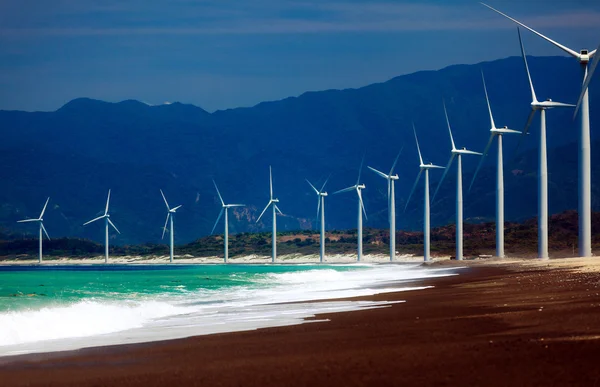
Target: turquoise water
[(33, 287), (51, 308)]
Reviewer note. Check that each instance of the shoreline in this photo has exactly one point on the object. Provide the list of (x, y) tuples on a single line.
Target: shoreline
[(499, 323)]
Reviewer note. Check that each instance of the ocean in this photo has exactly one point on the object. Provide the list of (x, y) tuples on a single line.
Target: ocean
[(57, 308)]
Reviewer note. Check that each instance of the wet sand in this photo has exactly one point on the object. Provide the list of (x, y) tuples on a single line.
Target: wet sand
[(500, 325)]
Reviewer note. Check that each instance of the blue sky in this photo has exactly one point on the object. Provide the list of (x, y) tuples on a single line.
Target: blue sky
[(228, 53)]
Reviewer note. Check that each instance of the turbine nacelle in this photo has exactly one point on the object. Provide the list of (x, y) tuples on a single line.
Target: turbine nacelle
[(393, 177), (361, 186), (584, 56), (274, 200), (503, 130)]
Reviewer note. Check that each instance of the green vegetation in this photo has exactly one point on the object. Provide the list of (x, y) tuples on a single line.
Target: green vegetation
[(479, 239)]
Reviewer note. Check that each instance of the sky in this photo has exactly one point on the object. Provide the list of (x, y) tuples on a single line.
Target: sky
[(220, 54)]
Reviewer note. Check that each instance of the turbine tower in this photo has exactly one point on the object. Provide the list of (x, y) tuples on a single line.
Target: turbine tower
[(321, 208), (391, 178), (459, 195), (40, 221), (426, 215), (107, 221), (170, 215), (225, 207), (585, 208), (496, 132), (275, 210), (361, 209), (543, 162)]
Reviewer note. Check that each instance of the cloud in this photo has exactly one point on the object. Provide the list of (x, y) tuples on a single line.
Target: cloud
[(276, 17)]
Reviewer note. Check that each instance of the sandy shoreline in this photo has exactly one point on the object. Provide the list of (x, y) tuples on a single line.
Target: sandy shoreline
[(188, 259), (523, 322)]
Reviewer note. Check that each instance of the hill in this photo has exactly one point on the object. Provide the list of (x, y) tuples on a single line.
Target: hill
[(75, 154)]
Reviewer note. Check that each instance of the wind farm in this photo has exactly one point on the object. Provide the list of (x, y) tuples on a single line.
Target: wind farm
[(494, 285)]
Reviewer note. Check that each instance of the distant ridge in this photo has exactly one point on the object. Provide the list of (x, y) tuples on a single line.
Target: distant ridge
[(75, 154)]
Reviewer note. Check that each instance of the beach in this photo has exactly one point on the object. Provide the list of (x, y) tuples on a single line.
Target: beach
[(498, 323)]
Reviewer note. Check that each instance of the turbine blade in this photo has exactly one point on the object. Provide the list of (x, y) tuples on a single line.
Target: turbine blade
[(95, 219), (217, 222), (564, 48), (396, 161), (262, 213), (379, 173), (362, 161), (176, 208), (586, 81), (112, 224), (362, 204), (312, 186), (418, 148), (271, 182), (278, 210), (326, 180), (529, 119), (485, 152), (165, 199), (525, 132), (443, 176), (165, 227), (318, 205), (413, 189), (107, 201), (448, 122), (45, 232), (553, 104), (44, 209), (533, 97), (218, 193), (345, 190), (27, 220), (470, 152), (488, 101)]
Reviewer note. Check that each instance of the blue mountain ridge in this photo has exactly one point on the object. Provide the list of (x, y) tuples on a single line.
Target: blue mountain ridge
[(76, 153)]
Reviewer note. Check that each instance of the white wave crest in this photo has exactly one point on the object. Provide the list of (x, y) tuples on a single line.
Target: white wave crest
[(81, 319)]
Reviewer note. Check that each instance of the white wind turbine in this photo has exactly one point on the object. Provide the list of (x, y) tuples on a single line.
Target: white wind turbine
[(225, 207), (585, 208), (275, 210), (40, 221), (426, 215), (321, 208), (361, 209), (107, 221), (543, 162), (496, 132), (391, 178), (170, 215), (459, 195)]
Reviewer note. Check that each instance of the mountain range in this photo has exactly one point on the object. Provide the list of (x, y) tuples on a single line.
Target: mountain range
[(76, 153)]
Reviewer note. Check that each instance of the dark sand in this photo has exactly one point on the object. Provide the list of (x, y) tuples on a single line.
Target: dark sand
[(487, 327)]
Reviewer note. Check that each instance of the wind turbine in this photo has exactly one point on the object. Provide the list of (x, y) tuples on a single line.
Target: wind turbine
[(170, 215), (321, 207), (40, 220), (107, 221), (543, 162), (496, 132), (426, 216), (391, 178), (361, 208), (585, 208), (459, 196), (275, 210), (225, 207)]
